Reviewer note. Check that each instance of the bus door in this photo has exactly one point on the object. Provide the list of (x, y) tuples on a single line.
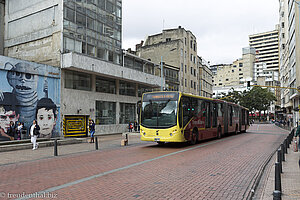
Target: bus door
[(226, 119), (215, 115), (207, 114), (230, 115)]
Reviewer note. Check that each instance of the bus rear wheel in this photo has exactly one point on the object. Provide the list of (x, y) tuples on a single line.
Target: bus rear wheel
[(219, 134), (194, 137)]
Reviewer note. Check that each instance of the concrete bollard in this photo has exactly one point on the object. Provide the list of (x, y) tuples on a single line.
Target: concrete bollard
[(55, 147), (96, 143), (279, 160), (277, 178)]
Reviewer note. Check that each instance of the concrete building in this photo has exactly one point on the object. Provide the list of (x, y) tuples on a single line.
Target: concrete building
[(289, 58), (83, 39), (237, 73), (205, 78), (178, 48), (266, 46), (1, 26)]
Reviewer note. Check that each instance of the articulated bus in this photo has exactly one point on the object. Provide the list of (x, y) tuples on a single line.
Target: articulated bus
[(179, 117)]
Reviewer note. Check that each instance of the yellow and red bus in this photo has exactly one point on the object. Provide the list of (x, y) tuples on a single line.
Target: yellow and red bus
[(179, 117)]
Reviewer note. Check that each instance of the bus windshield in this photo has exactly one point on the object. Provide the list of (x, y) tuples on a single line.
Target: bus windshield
[(159, 114)]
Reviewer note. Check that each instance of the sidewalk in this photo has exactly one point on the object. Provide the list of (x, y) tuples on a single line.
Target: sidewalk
[(290, 178), (104, 142)]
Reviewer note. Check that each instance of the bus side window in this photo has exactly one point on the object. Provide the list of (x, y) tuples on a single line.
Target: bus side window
[(186, 107)]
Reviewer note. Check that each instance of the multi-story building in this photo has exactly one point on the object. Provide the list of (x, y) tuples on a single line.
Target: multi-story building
[(205, 78), (82, 39), (178, 48), (237, 73), (289, 58), (1, 26), (266, 46)]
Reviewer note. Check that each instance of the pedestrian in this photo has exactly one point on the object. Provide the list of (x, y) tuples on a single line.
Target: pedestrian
[(135, 124), (92, 130), (297, 134), (130, 126), (19, 130), (11, 131), (34, 132)]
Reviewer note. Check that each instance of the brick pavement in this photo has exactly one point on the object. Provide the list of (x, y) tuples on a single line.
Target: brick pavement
[(218, 169)]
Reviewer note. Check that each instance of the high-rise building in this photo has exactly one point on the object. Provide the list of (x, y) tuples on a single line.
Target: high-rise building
[(83, 39), (178, 48), (1, 26), (289, 59), (266, 47)]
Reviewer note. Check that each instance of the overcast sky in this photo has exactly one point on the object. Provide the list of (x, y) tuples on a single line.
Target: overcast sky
[(222, 27)]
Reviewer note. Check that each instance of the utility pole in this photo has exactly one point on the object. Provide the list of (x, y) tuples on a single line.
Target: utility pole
[(161, 73)]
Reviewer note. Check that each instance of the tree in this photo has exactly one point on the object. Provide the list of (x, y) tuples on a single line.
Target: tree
[(256, 99)]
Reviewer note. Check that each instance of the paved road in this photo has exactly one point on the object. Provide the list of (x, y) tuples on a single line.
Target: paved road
[(217, 169)]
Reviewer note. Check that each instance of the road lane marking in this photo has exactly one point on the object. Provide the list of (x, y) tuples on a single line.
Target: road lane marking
[(49, 190)]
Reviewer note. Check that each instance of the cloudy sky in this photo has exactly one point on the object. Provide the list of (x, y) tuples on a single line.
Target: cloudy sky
[(221, 27)]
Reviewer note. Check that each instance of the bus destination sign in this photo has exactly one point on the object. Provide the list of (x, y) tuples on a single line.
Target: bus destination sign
[(161, 96)]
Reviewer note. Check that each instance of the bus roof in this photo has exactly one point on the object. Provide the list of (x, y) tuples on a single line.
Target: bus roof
[(196, 96)]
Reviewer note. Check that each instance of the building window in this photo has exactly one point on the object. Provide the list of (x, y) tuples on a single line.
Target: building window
[(232, 70), (192, 70), (192, 57), (105, 85), (182, 67), (185, 69), (240, 64), (105, 112), (185, 83), (143, 89), (191, 84), (127, 113), (77, 81), (127, 88), (185, 41), (168, 39)]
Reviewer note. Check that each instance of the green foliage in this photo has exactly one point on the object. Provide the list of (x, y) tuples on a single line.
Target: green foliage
[(257, 98)]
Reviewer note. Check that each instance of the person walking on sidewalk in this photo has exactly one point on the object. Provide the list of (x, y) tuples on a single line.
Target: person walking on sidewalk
[(34, 132), (297, 134), (92, 130)]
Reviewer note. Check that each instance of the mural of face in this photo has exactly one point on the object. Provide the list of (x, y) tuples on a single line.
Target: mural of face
[(23, 78), (46, 120), (6, 117)]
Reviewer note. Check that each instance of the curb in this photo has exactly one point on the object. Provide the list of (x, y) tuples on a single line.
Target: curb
[(13, 147)]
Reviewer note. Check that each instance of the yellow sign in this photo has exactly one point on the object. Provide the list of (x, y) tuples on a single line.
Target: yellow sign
[(75, 126)]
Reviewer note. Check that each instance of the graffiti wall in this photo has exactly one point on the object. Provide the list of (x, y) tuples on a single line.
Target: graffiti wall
[(29, 91)]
